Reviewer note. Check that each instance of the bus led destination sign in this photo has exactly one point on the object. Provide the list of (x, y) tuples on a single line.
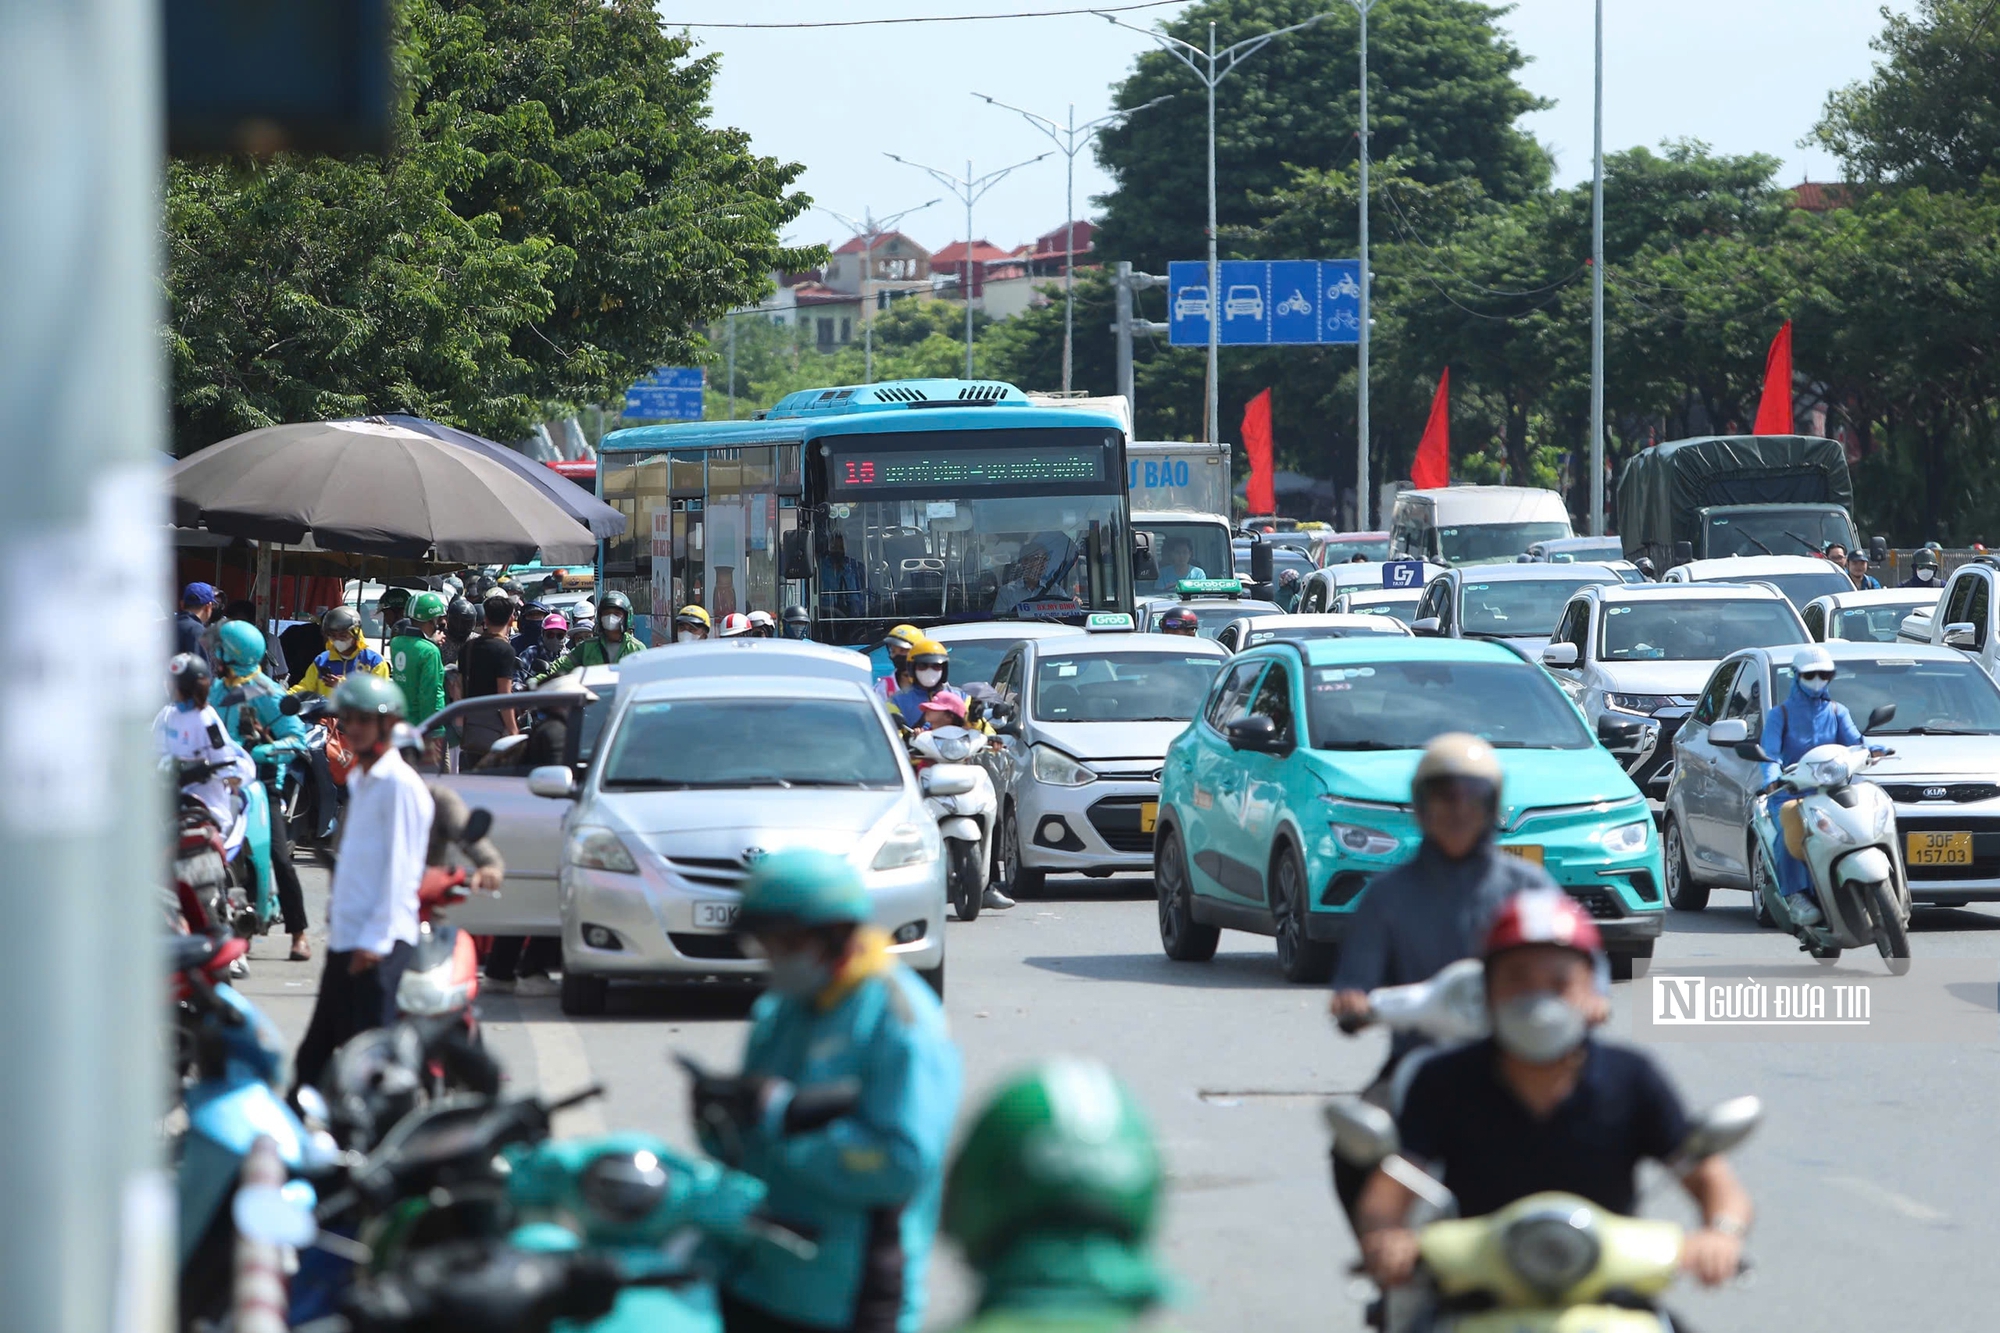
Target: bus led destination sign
[(967, 468)]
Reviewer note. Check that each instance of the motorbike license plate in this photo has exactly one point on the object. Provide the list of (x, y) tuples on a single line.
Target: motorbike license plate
[(1530, 852), (1149, 815), (716, 916), (1938, 849)]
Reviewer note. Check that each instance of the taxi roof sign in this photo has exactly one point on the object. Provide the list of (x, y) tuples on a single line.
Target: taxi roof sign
[(1188, 588), (1107, 622)]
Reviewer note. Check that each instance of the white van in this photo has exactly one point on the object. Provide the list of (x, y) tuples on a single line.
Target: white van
[(1475, 525)]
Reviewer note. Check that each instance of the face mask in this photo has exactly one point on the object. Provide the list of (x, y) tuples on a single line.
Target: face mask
[(928, 678), (687, 636), (344, 644), (800, 975), (1540, 1029), (612, 626), (554, 643), (1925, 573), (1815, 689)]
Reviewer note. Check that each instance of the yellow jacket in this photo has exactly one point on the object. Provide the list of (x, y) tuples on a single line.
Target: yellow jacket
[(330, 667)]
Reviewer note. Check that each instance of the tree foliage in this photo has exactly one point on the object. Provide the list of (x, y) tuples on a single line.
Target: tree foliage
[(1930, 113)]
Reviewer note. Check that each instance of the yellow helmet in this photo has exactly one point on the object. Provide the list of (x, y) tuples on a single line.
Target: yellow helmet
[(928, 648), (694, 615), (907, 635)]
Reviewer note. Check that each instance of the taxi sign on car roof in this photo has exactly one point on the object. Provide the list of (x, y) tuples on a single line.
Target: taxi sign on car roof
[(1209, 588), (1105, 622)]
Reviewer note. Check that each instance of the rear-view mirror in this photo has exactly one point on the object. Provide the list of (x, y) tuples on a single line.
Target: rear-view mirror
[(1730, 731), (1363, 1133), (290, 705), (1256, 732), (792, 555), (1880, 717), (1615, 730), (1752, 751), (1425, 625), (553, 781), (1961, 634), (477, 825), (1559, 655), (1721, 1128), (1145, 565), (1683, 552)]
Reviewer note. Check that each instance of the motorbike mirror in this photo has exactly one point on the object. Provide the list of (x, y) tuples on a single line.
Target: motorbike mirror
[(1883, 715), (290, 705), (1363, 1133), (313, 1109), (1752, 751), (1721, 1128), (936, 783), (477, 825), (553, 781), (1730, 731), (268, 1214)]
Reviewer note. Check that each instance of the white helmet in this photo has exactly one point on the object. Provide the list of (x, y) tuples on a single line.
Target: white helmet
[(735, 623), (1812, 657)]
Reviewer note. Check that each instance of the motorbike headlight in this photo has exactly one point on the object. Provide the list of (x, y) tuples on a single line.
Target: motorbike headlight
[(905, 846), (595, 848), (956, 749), (1552, 1251), (624, 1187), (1825, 825), (1830, 773), (1628, 838), (1645, 705), (1059, 770), (1359, 841)]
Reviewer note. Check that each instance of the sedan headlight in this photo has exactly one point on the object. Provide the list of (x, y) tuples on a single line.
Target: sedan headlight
[(1645, 705), (1628, 838), (592, 847), (1824, 825), (1059, 770), (1359, 841), (905, 846)]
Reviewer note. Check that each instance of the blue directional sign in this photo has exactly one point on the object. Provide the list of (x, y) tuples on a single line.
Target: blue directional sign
[(1263, 302), (671, 393), (1403, 574)]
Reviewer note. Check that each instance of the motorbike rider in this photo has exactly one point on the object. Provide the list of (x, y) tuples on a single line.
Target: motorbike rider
[(390, 610), (1180, 620), (840, 1007), (198, 606), (449, 815), (735, 625), (692, 624), (1857, 570), (552, 644), (1416, 918), (260, 726), (416, 663), (532, 616), (929, 665), (1808, 717), (1924, 571), (798, 623), (1645, 565), (613, 642), (461, 620), (347, 651), (897, 644), (190, 732), (946, 708), (1541, 1105), (372, 906), (1054, 1197), (1288, 590), (763, 625)]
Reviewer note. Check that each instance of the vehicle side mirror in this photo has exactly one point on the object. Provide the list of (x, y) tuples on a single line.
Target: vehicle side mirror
[(1683, 552), (1720, 1128), (1005, 719), (1614, 730), (1426, 625), (936, 782), (1559, 655), (1961, 634), (1881, 717), (1255, 732), (792, 555), (1145, 565), (1261, 571), (1731, 731), (477, 825), (1752, 751), (553, 781), (290, 705), (1363, 1133)]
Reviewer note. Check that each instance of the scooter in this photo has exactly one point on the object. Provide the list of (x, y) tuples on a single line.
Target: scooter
[(230, 865), (313, 795), (441, 980), (959, 794), (1844, 830)]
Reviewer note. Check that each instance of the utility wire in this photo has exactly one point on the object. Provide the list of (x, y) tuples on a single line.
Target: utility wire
[(1408, 228), (937, 18)]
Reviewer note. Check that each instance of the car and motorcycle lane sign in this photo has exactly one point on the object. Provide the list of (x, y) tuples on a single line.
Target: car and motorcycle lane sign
[(1266, 302)]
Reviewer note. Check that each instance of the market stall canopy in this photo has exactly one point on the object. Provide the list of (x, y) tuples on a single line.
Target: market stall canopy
[(602, 520), (374, 488)]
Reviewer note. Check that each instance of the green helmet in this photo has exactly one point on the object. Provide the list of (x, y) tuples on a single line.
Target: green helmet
[(241, 646), (1061, 1147), (615, 601), (366, 692), (803, 887), (427, 606)]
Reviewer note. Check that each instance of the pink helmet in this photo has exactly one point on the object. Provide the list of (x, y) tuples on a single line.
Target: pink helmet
[(735, 623), (553, 623), (946, 701)]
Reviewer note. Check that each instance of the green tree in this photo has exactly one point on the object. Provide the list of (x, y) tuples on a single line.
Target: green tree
[(1930, 113)]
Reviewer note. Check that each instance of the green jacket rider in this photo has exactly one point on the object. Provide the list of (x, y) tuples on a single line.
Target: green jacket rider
[(1053, 1198), (415, 662), (614, 642)]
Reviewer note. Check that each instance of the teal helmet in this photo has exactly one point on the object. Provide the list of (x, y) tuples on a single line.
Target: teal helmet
[(366, 692), (1060, 1148), (241, 646), (803, 888)]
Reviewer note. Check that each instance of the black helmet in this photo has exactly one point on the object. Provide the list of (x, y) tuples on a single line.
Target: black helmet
[(1924, 559), (459, 618), (798, 622), (340, 620), (615, 603), (1180, 620), (190, 678)]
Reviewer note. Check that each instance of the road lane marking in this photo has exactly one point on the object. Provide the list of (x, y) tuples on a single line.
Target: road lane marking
[(1890, 1199)]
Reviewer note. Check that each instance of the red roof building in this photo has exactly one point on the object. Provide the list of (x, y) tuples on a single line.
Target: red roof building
[(1821, 196), (987, 261), (1054, 251)]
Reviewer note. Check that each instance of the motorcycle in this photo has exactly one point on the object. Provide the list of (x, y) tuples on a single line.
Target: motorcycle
[(959, 794), (1844, 829), (441, 980), (314, 792), (228, 866)]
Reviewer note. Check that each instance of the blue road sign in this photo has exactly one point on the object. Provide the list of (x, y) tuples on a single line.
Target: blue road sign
[(1402, 573), (671, 393), (1266, 301)]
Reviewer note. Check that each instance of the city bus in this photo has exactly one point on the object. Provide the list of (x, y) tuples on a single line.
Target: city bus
[(920, 501)]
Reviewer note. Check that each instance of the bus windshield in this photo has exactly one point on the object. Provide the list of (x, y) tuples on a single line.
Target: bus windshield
[(1187, 549)]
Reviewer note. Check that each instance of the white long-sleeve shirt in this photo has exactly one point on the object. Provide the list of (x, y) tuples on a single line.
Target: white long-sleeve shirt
[(381, 865), (196, 735)]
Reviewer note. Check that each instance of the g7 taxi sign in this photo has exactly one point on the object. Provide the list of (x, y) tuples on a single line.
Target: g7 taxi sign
[(1402, 573)]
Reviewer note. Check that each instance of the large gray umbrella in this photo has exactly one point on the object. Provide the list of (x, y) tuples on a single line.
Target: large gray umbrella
[(376, 489), (579, 504)]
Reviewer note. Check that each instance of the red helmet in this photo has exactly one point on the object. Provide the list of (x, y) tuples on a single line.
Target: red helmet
[(1541, 916)]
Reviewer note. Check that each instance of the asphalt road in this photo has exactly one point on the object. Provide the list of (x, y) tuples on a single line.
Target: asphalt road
[(1874, 1174)]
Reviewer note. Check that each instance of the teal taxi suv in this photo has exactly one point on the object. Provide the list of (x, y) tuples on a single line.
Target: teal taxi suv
[(1291, 789)]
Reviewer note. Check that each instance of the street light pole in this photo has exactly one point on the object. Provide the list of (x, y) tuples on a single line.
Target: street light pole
[(1067, 141), (868, 229), (1597, 293), (1218, 65), (1362, 506), (970, 190)]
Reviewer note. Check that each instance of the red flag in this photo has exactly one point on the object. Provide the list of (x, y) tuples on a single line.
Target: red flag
[(1432, 466), (1774, 411), (1261, 494)]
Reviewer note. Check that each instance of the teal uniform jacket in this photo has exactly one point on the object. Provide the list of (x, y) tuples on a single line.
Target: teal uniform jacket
[(261, 697), (868, 1186)]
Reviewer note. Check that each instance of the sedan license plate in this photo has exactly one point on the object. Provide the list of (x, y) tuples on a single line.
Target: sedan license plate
[(1938, 849), (715, 916), (1149, 815), (1527, 851)]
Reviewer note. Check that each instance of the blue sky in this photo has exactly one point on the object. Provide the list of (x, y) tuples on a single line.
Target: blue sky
[(1742, 76)]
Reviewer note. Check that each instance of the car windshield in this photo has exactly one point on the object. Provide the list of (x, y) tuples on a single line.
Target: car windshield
[(1346, 548), (1799, 588), (1405, 611), (1939, 698), (1693, 630), (1301, 633), (594, 716), (1585, 552), (1776, 532), (1282, 559), (1402, 705), (1210, 617), (681, 744), (1516, 608), (973, 661), (1874, 624), (1187, 551), (1121, 687), (1475, 543)]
